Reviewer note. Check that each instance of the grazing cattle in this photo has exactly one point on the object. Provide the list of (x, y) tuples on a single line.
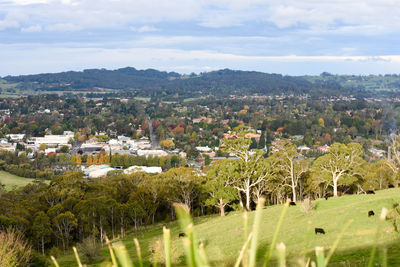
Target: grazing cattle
[(371, 213), (292, 203), (319, 230), (326, 197), (371, 192), (391, 186), (181, 234)]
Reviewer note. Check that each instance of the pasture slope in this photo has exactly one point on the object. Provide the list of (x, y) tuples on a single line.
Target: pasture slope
[(224, 236), (12, 181)]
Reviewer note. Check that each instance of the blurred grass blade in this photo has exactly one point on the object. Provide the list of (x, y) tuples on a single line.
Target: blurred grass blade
[(156, 252), (113, 259), (319, 252), (255, 231), (78, 260), (245, 225), (245, 260), (281, 248), (275, 236), (243, 250), (378, 228), (139, 252), (167, 246), (122, 254), (203, 255), (190, 261), (54, 261), (336, 243), (307, 242), (193, 255)]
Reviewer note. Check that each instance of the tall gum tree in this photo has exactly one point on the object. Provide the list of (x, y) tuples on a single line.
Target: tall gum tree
[(217, 186), (249, 169), (341, 163), (288, 165)]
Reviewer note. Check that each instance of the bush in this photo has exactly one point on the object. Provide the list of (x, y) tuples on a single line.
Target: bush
[(14, 250), (89, 249), (307, 206), (55, 251), (38, 260), (394, 216)]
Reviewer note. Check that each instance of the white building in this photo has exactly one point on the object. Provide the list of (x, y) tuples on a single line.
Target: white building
[(203, 148), (52, 140), (154, 153), (16, 137), (151, 170), (100, 172)]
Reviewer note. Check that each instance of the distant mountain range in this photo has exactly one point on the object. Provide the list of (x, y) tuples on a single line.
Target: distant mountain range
[(221, 82)]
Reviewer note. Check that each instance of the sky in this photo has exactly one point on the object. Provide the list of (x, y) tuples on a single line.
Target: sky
[(294, 37)]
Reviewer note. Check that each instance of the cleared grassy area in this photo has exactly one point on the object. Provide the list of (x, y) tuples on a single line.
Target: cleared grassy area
[(12, 181), (224, 236), (144, 99)]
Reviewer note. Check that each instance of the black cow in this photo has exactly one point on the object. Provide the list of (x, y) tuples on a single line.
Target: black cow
[(326, 197), (292, 203), (181, 234), (319, 230), (371, 213), (391, 186), (371, 192)]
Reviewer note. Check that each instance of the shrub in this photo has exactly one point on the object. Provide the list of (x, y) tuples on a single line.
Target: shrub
[(14, 250), (89, 249), (394, 216), (38, 260), (307, 206), (54, 251)]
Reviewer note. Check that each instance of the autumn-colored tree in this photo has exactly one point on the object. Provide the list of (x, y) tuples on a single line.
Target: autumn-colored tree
[(78, 159), (89, 160), (73, 159), (167, 144)]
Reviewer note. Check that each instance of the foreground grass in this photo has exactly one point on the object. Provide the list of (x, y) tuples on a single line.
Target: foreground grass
[(223, 237), (12, 181)]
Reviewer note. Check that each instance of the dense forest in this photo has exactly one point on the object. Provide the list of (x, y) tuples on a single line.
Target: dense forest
[(149, 82)]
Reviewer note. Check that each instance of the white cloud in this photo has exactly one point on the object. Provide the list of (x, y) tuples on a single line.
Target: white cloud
[(144, 29), (63, 27), (31, 2), (34, 28), (328, 16)]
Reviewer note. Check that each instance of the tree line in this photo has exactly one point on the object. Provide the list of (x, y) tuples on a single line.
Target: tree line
[(72, 207)]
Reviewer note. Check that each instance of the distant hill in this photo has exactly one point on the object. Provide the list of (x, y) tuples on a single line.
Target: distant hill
[(388, 83), (150, 81)]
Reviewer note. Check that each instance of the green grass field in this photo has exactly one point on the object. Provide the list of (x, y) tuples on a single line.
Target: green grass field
[(224, 236), (12, 181)]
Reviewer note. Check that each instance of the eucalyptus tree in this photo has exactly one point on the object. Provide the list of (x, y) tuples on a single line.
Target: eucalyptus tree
[(249, 169), (289, 167), (340, 165), (217, 186)]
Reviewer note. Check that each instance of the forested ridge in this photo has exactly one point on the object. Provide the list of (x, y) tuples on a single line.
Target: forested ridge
[(221, 82)]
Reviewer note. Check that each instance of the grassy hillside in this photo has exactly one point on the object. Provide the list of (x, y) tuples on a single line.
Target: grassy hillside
[(11, 180), (224, 236)]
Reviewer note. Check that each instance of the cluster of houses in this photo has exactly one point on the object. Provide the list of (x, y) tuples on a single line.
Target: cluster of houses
[(126, 146)]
